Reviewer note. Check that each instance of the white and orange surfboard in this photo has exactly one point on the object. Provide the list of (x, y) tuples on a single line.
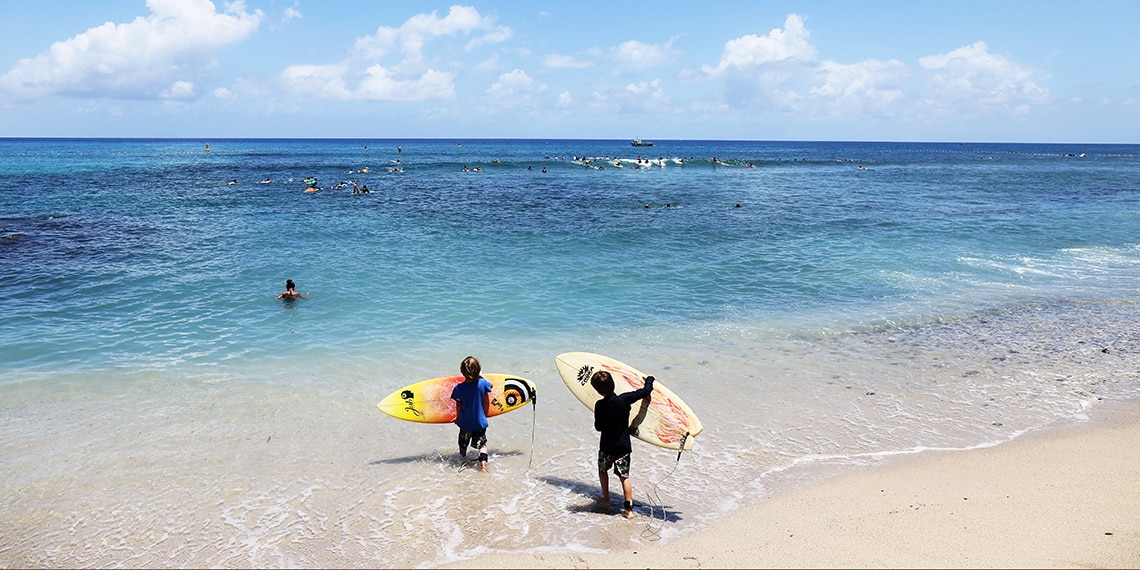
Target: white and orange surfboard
[(663, 419), (430, 401)]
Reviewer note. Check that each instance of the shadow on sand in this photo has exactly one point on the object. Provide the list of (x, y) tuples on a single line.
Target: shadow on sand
[(593, 493)]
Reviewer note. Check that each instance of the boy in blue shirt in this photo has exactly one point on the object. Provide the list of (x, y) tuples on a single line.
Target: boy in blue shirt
[(472, 400), (611, 417)]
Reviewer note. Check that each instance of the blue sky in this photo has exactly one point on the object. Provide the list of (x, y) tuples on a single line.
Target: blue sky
[(1035, 71)]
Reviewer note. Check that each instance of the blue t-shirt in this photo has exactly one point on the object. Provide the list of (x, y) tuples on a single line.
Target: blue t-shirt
[(470, 396)]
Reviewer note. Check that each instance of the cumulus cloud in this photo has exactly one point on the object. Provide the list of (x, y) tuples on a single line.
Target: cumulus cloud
[(556, 61), (151, 57), (362, 76), (645, 89), (632, 98), (178, 90), (859, 87), (780, 71), (972, 79), (292, 12), (635, 55), (380, 84), (751, 51), (515, 88)]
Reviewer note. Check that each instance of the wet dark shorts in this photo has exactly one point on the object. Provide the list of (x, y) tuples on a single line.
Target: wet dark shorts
[(619, 464), (473, 439)]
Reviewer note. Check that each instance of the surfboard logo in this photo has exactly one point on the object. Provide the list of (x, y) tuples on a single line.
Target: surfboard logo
[(409, 399), (584, 374)]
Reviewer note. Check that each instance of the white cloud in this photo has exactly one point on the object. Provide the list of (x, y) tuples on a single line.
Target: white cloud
[(380, 84), (318, 81), (858, 87), (178, 90), (515, 84), (645, 89), (973, 81), (411, 37), (292, 13), (139, 59), (363, 77), (751, 51), (565, 99), (223, 93), (495, 36), (779, 72), (637, 97), (556, 61), (488, 65), (634, 55)]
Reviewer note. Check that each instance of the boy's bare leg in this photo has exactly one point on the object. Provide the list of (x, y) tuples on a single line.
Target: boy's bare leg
[(604, 479), (627, 493)]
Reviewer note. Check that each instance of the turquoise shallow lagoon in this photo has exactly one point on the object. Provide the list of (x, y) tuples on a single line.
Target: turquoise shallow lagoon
[(819, 305)]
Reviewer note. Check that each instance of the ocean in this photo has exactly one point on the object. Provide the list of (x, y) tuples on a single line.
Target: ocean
[(821, 306)]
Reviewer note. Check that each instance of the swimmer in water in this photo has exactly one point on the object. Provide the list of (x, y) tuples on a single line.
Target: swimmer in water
[(290, 293)]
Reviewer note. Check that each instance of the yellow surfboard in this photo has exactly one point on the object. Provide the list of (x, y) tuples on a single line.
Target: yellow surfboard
[(662, 419), (430, 401)]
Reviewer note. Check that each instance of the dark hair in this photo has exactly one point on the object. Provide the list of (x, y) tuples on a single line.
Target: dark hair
[(470, 368), (289, 285), (602, 382)]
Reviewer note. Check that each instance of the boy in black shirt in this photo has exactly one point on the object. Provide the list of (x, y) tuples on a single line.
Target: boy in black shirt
[(611, 417)]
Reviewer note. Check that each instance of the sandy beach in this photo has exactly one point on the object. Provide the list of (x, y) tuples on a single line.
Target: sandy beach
[(1062, 498)]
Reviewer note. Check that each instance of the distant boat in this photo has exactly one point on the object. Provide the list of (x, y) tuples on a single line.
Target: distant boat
[(207, 147), (639, 142)]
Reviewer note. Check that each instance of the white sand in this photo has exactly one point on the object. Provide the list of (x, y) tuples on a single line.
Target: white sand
[(1065, 498)]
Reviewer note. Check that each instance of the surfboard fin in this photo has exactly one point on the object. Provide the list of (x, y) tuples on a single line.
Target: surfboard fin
[(684, 438)]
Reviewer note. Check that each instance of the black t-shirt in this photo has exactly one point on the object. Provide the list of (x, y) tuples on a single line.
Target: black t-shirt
[(611, 417)]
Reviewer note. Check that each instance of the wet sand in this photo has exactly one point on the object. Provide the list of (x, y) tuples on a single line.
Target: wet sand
[(1066, 497)]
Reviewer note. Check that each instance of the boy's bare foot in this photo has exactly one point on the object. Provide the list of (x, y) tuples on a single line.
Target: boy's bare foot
[(483, 467), (627, 514)]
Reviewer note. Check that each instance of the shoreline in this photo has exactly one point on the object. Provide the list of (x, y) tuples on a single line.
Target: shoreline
[(1063, 497)]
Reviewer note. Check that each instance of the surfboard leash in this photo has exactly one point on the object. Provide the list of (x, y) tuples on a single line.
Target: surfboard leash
[(533, 426), (655, 500)]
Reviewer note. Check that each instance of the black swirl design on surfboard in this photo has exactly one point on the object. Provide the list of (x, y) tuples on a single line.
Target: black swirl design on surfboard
[(517, 391)]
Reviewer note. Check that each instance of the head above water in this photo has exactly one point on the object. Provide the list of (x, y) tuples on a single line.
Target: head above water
[(470, 368), (289, 286), (602, 382)]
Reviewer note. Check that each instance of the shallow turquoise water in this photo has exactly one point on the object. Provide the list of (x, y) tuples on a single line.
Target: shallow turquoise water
[(128, 252), (950, 295)]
